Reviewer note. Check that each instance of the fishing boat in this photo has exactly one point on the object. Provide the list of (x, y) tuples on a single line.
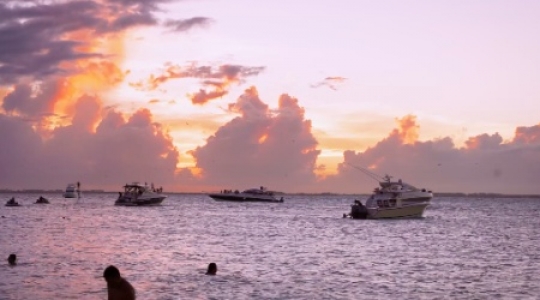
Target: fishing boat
[(392, 199), (136, 194)]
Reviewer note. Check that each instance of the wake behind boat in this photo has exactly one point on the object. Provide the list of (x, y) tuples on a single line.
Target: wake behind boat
[(136, 194), (393, 199), (258, 195)]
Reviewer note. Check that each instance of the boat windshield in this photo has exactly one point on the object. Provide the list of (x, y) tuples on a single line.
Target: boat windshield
[(393, 186)]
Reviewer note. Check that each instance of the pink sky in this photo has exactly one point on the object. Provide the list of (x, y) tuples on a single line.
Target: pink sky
[(205, 95)]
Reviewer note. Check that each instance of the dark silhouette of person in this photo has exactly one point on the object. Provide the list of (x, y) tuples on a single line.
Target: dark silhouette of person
[(12, 259), (212, 269), (118, 288)]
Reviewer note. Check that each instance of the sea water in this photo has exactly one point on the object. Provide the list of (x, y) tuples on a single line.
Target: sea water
[(462, 248)]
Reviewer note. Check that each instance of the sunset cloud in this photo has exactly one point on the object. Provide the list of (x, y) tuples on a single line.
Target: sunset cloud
[(54, 52), (217, 80), (484, 141), (137, 148), (37, 38), (31, 101), (408, 129), (331, 82), (527, 135), (187, 24), (486, 164), (261, 147)]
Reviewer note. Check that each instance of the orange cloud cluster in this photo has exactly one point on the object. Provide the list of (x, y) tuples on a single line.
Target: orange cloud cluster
[(408, 129), (527, 135), (262, 146), (484, 141), (217, 79)]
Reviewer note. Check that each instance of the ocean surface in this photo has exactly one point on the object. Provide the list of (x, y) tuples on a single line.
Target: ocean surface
[(462, 248)]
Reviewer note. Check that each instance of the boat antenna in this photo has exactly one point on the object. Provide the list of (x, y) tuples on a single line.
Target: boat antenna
[(368, 173)]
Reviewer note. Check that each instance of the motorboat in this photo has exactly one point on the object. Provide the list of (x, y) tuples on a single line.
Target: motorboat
[(260, 194), (393, 199), (71, 191), (136, 194), (42, 200), (12, 202)]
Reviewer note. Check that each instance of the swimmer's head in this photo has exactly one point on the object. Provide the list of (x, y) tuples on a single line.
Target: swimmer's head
[(12, 259), (111, 274), (212, 269)]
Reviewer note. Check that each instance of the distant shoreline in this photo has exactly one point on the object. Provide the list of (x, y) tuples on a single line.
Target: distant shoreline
[(437, 195)]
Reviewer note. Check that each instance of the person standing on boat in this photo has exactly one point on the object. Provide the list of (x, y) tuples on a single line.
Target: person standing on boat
[(118, 288)]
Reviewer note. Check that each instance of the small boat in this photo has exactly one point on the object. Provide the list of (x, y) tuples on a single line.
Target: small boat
[(71, 191), (42, 200), (255, 194), (394, 199), (12, 202), (136, 194)]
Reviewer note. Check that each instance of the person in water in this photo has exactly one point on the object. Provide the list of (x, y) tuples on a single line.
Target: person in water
[(117, 287), (12, 259), (212, 269)]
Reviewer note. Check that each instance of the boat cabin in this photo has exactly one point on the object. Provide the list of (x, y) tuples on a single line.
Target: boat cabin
[(260, 191)]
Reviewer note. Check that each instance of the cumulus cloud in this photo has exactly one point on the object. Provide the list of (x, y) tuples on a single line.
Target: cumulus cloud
[(527, 135), (331, 82), (485, 164), (28, 100), (484, 141), (217, 79), (260, 147), (187, 24), (103, 152)]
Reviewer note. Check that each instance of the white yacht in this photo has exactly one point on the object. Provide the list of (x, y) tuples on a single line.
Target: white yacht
[(136, 194), (393, 199), (255, 194), (71, 191)]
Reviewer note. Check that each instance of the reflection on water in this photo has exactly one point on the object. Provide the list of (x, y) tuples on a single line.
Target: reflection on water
[(300, 249)]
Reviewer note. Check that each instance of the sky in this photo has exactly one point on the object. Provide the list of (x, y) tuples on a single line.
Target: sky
[(204, 95)]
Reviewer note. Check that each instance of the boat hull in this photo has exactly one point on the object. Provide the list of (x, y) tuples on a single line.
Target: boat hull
[(16, 204), (70, 195), (408, 211), (242, 198), (140, 202)]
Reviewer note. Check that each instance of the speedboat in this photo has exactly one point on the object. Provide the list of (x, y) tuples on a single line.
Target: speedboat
[(71, 191), (254, 194), (136, 194), (393, 199), (42, 200), (12, 202)]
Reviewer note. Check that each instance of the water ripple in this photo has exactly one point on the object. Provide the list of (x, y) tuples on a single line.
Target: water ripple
[(300, 249)]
